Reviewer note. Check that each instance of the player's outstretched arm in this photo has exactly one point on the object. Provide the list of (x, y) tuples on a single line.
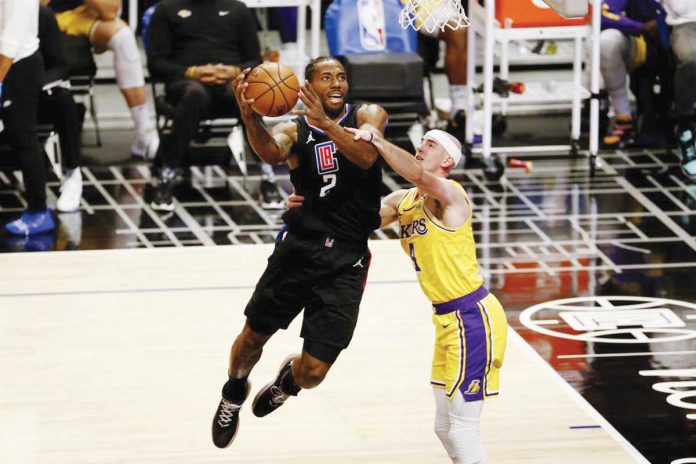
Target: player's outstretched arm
[(372, 117), (273, 148), (410, 169)]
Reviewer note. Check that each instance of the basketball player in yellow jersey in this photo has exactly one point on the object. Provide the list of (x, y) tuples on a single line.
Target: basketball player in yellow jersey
[(470, 325)]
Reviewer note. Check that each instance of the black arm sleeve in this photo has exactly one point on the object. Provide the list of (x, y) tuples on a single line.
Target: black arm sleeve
[(248, 39), (160, 47), (50, 46)]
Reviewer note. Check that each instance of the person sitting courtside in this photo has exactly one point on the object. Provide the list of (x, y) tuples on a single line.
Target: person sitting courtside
[(197, 47), (98, 20)]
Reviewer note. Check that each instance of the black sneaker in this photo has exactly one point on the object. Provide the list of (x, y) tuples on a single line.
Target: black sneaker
[(163, 199), (687, 149), (164, 192), (269, 196), (273, 395), (226, 420)]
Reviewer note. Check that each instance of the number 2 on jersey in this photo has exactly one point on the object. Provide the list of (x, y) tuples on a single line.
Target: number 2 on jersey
[(412, 252), (330, 181)]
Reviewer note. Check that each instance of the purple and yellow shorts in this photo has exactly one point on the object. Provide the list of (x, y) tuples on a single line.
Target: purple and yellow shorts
[(470, 339)]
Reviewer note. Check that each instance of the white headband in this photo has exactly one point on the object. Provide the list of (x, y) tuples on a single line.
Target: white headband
[(443, 138)]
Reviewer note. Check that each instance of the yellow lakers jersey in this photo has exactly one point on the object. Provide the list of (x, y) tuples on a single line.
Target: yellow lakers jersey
[(444, 258)]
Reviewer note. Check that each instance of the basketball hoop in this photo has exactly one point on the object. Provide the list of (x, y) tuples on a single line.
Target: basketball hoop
[(432, 15)]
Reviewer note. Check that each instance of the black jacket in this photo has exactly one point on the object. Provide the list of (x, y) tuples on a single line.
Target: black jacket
[(50, 46), (185, 33)]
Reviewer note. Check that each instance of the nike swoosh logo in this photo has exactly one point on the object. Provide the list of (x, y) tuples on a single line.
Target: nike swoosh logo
[(223, 13), (444, 326)]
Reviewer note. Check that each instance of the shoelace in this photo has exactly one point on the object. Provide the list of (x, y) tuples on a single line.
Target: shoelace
[(278, 396), (227, 411)]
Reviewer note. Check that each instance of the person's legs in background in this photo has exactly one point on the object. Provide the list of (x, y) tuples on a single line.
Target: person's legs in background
[(19, 113), (191, 101), (455, 67), (617, 52), (117, 36), (684, 47), (57, 106)]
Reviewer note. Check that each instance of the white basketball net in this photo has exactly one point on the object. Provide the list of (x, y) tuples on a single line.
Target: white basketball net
[(432, 15)]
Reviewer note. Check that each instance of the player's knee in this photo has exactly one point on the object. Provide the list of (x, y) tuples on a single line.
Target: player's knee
[(194, 95), (253, 341), (311, 373), (441, 430), (465, 433), (612, 41)]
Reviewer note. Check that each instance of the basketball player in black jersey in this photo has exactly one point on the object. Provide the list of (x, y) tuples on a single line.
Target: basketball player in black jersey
[(321, 265)]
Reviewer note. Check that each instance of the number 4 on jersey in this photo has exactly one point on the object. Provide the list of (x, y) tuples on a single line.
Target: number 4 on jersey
[(412, 252)]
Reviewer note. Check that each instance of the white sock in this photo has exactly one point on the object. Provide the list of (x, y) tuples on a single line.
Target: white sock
[(141, 120), (267, 172), (459, 95), (619, 100)]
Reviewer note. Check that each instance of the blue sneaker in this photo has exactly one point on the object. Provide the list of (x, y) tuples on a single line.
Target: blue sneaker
[(31, 223)]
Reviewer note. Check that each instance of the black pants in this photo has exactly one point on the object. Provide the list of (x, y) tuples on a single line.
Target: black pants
[(19, 110), (193, 102), (57, 107)]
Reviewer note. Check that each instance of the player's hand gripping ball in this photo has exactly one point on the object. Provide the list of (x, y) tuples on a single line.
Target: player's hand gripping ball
[(274, 88)]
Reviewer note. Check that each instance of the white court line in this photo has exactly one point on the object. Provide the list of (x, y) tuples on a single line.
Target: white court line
[(547, 322), (650, 206), (577, 397), (116, 207), (668, 194), (631, 248), (620, 355)]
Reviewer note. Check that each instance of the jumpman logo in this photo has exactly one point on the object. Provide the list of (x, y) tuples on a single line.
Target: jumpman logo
[(359, 263), (310, 138)]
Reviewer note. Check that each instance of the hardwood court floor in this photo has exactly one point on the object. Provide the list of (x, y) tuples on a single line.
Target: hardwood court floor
[(119, 357)]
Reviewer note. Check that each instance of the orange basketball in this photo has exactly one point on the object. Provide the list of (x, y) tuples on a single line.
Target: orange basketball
[(274, 88)]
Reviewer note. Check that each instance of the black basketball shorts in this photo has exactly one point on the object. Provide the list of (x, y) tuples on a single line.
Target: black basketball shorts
[(320, 275)]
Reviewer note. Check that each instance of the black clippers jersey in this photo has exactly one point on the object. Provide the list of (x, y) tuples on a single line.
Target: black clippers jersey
[(341, 199)]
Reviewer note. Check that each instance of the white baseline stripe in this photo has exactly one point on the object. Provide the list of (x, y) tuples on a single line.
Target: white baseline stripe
[(621, 355), (582, 402)]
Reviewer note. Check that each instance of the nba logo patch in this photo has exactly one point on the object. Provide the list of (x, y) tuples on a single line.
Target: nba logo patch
[(473, 388), (326, 161)]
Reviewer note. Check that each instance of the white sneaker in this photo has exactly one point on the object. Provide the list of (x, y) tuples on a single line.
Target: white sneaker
[(147, 146), (71, 224), (70, 192)]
